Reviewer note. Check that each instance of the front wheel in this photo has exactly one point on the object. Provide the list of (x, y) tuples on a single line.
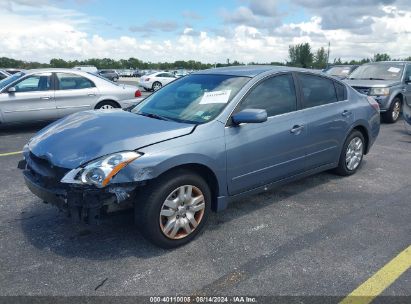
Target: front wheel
[(351, 154), (174, 210), (393, 113), (106, 105)]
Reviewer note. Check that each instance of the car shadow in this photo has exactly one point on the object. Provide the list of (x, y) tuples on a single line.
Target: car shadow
[(116, 237), (22, 128)]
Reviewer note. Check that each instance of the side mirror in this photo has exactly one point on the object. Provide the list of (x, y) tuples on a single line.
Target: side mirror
[(11, 90), (250, 116)]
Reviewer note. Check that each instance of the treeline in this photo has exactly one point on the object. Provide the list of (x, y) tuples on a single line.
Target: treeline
[(300, 55)]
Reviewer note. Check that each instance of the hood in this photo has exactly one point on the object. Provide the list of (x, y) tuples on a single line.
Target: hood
[(84, 136), (371, 83)]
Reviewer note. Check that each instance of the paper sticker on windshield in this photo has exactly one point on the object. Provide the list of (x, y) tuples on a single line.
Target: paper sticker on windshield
[(393, 70), (216, 97), (346, 71)]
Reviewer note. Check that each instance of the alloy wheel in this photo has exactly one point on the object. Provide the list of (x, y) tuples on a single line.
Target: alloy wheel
[(182, 212), (106, 107), (354, 153), (396, 110)]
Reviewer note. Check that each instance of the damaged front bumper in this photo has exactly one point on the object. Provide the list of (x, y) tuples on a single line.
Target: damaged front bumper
[(82, 203)]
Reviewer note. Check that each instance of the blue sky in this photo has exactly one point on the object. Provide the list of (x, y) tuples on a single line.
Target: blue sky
[(209, 31)]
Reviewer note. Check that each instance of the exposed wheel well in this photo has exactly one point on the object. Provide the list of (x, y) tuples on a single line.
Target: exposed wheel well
[(364, 133), (206, 173), (109, 101)]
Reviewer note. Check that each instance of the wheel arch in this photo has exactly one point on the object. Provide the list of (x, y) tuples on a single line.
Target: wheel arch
[(203, 171), (364, 133), (107, 100)]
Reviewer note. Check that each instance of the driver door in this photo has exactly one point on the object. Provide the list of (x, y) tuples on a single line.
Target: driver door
[(32, 100)]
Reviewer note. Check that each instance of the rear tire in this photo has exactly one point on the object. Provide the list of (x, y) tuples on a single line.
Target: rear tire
[(352, 154), (107, 105), (394, 112), (168, 213), (157, 86)]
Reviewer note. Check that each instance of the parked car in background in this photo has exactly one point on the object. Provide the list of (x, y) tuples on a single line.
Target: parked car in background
[(109, 74), (86, 68), (48, 94), (340, 71), (156, 81), (388, 82), (137, 73), (4, 74), (200, 142), (181, 73)]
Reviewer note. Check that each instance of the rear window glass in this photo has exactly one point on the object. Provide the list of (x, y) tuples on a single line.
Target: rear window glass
[(317, 90), (340, 90)]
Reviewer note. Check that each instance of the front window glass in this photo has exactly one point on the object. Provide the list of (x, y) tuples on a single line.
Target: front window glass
[(39, 82), (378, 71), (5, 82), (275, 95), (194, 99)]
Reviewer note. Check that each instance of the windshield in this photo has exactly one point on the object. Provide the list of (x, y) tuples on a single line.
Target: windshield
[(341, 71), (379, 71), (193, 99), (5, 82)]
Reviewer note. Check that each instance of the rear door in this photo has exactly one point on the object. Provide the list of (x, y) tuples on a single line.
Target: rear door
[(33, 100), (329, 116), (74, 93), (261, 153)]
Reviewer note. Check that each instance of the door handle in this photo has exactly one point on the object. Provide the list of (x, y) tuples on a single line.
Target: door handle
[(346, 113), (297, 129), (45, 97), (91, 94)]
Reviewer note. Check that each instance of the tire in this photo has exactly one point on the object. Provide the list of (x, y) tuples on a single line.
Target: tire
[(147, 90), (157, 86), (107, 105), (394, 112), (351, 146), (159, 207)]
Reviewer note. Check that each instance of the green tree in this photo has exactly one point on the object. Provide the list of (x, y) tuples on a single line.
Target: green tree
[(381, 57), (300, 55), (320, 58)]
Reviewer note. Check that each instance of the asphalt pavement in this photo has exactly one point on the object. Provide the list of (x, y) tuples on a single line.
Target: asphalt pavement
[(323, 235)]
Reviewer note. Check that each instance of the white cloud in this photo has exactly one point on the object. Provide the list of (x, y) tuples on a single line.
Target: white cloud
[(45, 32)]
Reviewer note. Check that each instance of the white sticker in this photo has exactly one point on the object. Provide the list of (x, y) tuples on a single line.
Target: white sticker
[(394, 70), (216, 97), (346, 71)]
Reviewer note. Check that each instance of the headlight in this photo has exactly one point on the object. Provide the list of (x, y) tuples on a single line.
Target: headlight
[(380, 91), (100, 172)]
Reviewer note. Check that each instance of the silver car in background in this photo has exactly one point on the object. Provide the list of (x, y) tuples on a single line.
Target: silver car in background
[(48, 94)]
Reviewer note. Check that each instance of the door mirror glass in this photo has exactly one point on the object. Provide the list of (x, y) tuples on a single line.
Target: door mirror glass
[(11, 90), (250, 116)]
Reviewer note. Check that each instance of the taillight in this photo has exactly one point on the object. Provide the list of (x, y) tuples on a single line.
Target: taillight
[(137, 94), (373, 103)]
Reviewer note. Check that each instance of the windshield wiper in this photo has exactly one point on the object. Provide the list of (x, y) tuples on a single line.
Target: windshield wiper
[(155, 116), (371, 78)]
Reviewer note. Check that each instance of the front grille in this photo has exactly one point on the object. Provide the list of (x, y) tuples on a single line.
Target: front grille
[(45, 172), (362, 90)]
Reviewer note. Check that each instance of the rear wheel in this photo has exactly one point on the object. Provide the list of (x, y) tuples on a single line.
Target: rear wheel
[(107, 105), (157, 86), (174, 210), (351, 154), (393, 114)]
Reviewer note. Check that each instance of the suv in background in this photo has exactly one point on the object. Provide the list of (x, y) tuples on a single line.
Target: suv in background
[(109, 74), (340, 71), (388, 82)]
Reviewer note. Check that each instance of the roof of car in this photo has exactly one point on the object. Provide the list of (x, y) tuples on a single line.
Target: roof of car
[(250, 70), (48, 70), (390, 61)]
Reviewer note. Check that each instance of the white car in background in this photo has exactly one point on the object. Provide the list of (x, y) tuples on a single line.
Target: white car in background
[(156, 81)]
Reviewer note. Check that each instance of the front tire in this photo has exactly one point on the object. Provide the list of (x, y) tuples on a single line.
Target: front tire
[(174, 209), (393, 114), (351, 154)]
